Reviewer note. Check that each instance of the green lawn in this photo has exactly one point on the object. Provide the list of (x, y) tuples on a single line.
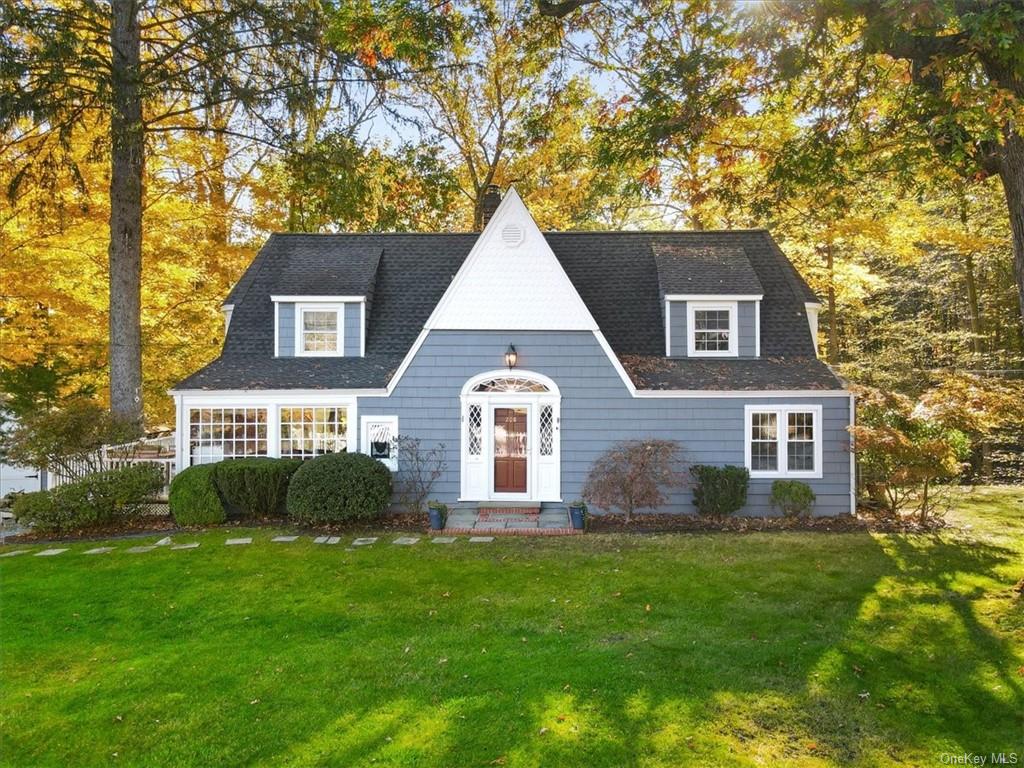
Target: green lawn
[(760, 649)]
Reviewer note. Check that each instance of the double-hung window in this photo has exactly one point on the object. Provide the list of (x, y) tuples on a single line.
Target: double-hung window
[(320, 330), (783, 441), (712, 329)]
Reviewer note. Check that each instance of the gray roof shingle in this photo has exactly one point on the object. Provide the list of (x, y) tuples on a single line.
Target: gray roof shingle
[(704, 270), (621, 277)]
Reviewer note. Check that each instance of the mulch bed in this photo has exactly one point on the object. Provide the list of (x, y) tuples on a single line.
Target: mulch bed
[(668, 523), (610, 523)]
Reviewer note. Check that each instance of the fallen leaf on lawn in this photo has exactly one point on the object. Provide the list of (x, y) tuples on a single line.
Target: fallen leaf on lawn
[(498, 761), (863, 696), (616, 594), (812, 746), (446, 594), (561, 718), (255, 701), (443, 661), (543, 731), (647, 607), (858, 670)]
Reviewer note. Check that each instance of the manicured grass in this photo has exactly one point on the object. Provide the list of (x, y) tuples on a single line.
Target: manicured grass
[(719, 649)]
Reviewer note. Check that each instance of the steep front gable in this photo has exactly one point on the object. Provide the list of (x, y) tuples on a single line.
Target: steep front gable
[(511, 280)]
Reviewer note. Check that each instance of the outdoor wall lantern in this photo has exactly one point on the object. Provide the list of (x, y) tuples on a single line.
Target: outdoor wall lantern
[(510, 357)]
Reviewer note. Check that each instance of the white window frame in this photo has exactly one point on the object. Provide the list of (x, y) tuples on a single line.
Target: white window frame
[(782, 440), (273, 402), (301, 406), (692, 307), (364, 438), (339, 315)]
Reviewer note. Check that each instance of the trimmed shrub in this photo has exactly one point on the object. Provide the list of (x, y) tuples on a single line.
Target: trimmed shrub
[(38, 509), (720, 491), (194, 499), (97, 500), (794, 498), (339, 487), (255, 487)]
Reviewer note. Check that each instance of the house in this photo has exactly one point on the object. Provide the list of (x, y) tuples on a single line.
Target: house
[(527, 354)]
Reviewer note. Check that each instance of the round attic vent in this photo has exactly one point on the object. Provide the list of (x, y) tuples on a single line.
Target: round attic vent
[(512, 234)]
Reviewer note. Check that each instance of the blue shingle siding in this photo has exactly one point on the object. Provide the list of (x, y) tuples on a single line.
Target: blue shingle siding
[(353, 329), (285, 330), (746, 328), (677, 317), (596, 412)]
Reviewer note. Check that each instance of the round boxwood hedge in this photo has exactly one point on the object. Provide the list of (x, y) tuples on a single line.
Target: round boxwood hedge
[(338, 487), (193, 498)]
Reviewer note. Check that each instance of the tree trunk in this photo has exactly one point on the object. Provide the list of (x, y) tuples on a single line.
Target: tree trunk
[(1011, 171), (125, 253), (833, 320), (972, 304)]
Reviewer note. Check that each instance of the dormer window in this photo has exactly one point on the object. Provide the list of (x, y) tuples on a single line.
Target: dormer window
[(712, 329), (320, 330)]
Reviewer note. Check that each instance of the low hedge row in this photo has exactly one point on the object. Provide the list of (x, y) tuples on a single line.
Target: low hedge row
[(102, 499), (332, 488)]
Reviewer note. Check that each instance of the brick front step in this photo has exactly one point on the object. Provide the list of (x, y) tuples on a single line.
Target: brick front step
[(513, 531), (524, 514)]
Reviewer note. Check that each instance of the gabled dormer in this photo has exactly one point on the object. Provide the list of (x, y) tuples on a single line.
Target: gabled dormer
[(711, 301)]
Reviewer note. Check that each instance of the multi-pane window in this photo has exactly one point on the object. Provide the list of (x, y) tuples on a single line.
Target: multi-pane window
[(800, 442), (711, 330), (547, 430), (474, 429), (784, 441), (226, 433), (320, 331), (764, 442), (307, 432)]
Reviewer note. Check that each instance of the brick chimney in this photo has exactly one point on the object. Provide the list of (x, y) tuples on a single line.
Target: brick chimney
[(489, 203)]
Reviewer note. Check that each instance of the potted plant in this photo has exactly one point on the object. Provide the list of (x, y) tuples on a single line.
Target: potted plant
[(438, 512), (578, 514)]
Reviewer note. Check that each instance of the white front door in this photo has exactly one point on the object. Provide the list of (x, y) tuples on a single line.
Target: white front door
[(510, 438)]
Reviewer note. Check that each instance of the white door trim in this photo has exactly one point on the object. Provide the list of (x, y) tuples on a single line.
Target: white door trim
[(477, 472)]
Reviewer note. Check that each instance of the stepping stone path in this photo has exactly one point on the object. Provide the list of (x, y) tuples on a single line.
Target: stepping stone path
[(406, 541), (99, 551), (165, 541), (443, 540), (285, 539), (327, 539), (50, 552), (481, 539), (364, 541), (190, 545), (16, 552), (233, 542), (140, 549)]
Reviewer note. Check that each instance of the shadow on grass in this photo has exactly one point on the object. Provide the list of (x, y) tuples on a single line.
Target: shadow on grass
[(646, 651)]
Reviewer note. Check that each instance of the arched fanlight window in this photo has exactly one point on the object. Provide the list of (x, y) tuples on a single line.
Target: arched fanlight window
[(510, 384)]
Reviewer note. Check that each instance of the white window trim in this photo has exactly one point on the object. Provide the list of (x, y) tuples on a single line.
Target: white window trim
[(339, 313), (691, 327), (782, 435), (364, 438), (269, 399)]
